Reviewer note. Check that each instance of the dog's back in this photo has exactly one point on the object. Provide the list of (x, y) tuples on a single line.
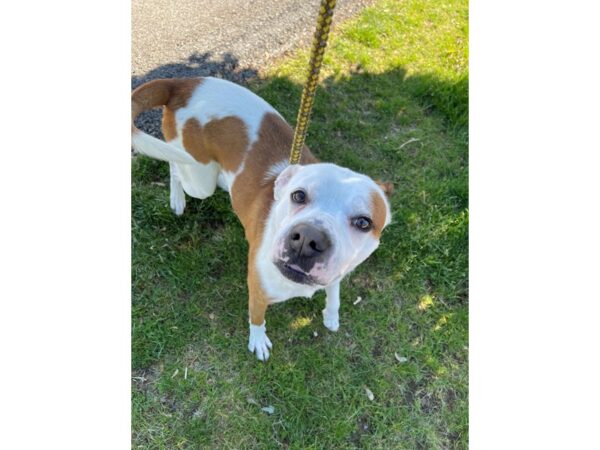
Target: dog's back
[(210, 127)]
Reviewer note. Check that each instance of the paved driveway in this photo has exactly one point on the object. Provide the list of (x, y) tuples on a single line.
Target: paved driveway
[(232, 39), (200, 37)]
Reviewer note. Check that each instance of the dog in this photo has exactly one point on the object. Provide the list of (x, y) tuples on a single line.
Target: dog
[(307, 225)]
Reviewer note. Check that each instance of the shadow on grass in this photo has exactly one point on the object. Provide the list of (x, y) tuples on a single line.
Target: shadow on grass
[(189, 299)]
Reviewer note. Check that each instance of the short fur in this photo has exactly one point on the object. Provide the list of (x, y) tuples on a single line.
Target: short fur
[(219, 133)]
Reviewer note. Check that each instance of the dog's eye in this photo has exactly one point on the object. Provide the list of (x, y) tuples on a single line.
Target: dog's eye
[(299, 196), (362, 223)]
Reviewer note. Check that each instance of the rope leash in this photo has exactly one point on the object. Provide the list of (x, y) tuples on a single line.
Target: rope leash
[(314, 67)]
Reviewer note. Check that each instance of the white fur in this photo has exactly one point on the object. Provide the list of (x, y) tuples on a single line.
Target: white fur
[(331, 313), (259, 342), (199, 180), (276, 169), (155, 148), (335, 195), (216, 99), (226, 178), (177, 196)]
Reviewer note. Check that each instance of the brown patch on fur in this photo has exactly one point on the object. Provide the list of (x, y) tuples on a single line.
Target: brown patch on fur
[(169, 128), (193, 141), (379, 209), (227, 140), (149, 95), (252, 197), (223, 140), (181, 93), (387, 187), (257, 299), (171, 93)]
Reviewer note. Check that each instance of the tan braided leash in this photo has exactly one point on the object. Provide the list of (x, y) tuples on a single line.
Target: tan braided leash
[(314, 67)]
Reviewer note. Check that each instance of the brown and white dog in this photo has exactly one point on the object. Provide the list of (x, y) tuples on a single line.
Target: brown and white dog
[(307, 225)]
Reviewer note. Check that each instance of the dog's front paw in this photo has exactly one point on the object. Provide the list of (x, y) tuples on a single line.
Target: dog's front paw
[(259, 342), (331, 321)]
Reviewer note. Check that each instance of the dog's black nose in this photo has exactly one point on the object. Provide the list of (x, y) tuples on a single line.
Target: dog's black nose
[(307, 241)]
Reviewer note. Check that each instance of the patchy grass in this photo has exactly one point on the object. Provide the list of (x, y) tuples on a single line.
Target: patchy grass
[(393, 104)]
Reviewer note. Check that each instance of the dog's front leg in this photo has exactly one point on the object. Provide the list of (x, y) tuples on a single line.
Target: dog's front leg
[(258, 342), (331, 313)]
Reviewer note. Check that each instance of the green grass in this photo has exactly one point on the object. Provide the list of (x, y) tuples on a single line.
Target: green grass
[(392, 104)]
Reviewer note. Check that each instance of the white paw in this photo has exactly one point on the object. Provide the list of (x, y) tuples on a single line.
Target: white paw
[(177, 201), (331, 321), (259, 342)]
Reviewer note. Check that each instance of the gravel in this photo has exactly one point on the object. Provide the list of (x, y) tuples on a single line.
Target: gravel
[(231, 39)]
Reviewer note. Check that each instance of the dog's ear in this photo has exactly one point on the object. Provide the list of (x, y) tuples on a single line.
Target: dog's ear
[(387, 187), (283, 178)]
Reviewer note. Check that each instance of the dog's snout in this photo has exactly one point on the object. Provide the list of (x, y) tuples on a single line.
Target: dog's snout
[(308, 241)]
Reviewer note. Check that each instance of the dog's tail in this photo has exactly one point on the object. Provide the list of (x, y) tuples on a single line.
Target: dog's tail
[(150, 95)]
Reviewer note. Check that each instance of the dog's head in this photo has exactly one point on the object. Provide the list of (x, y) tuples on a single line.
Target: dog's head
[(328, 220)]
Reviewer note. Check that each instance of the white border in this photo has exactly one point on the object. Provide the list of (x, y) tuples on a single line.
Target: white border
[(534, 235), (65, 243), (64, 229)]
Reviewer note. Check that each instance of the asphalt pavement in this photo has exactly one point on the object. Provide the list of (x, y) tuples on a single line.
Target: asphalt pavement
[(231, 39)]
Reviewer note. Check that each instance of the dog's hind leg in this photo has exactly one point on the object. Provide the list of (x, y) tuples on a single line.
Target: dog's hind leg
[(177, 196)]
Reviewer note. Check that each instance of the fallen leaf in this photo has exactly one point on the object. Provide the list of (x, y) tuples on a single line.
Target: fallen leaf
[(425, 303), (370, 395), (401, 359), (268, 409)]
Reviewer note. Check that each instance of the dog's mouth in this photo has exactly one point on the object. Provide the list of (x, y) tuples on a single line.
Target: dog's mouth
[(294, 273)]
